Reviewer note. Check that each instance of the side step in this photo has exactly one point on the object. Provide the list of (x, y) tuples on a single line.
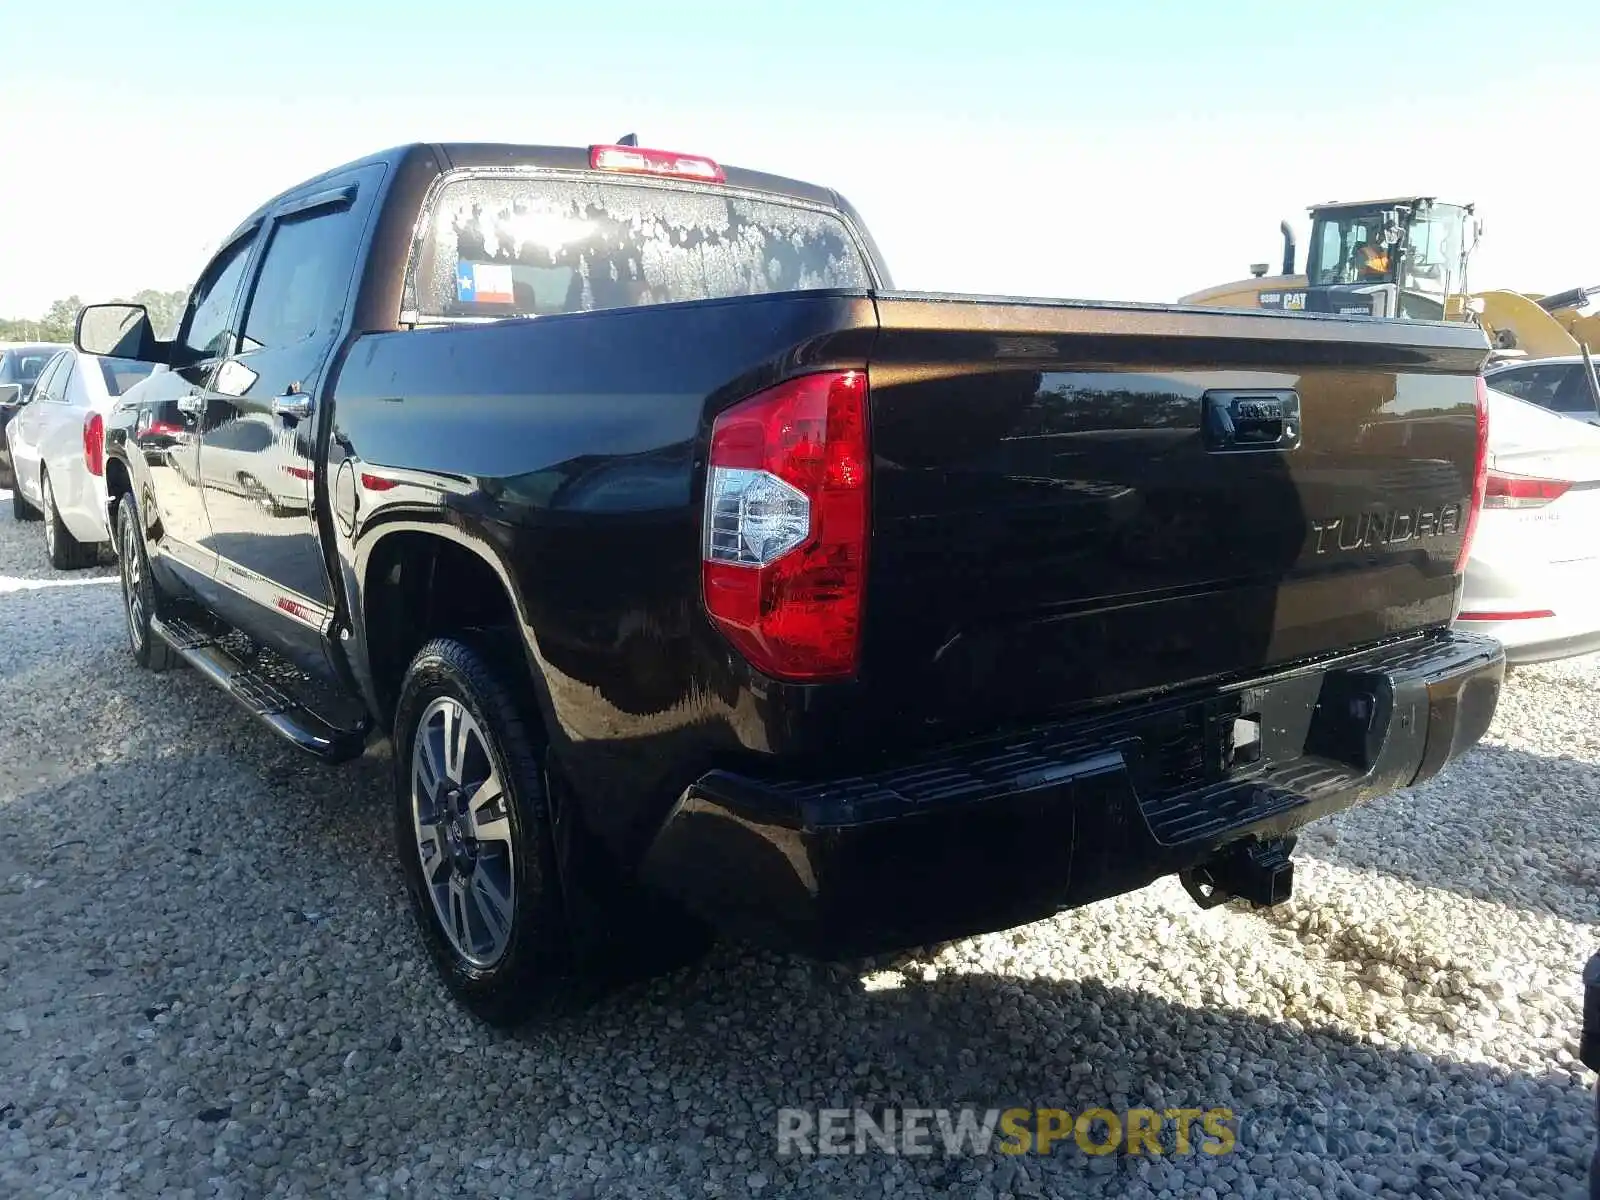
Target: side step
[(257, 692)]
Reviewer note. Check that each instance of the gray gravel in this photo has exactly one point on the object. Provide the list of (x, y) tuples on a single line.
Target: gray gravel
[(211, 988)]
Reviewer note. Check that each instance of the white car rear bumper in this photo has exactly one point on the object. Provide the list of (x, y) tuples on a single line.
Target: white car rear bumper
[(1537, 611)]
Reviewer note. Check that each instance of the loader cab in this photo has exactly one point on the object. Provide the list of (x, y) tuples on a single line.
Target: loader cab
[(1404, 257)]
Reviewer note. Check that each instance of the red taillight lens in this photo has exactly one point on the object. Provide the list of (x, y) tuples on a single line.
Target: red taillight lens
[(94, 443), (784, 550), (634, 161), (1521, 491), (1480, 477)]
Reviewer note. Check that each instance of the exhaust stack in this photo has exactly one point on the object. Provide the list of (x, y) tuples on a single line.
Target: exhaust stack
[(1288, 247)]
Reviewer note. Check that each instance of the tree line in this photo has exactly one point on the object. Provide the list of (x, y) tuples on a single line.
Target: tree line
[(166, 308)]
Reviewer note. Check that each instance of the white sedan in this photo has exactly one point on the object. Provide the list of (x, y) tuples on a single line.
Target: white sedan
[(57, 441), (1533, 579)]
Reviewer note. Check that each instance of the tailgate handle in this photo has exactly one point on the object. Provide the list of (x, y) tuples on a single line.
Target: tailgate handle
[(1239, 421)]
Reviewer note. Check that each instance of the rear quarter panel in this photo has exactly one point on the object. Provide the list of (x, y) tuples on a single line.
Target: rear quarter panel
[(80, 496), (568, 452)]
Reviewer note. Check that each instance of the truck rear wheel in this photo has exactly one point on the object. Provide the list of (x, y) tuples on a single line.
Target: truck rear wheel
[(472, 828)]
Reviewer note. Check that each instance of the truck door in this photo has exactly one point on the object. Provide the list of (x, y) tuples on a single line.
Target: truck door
[(258, 452), (174, 408)]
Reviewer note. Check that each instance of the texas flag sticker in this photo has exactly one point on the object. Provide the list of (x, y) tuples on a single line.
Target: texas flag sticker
[(484, 283)]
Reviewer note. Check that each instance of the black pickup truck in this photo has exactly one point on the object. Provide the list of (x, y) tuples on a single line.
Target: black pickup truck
[(704, 582)]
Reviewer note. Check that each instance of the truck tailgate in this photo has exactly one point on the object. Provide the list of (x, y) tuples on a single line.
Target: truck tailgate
[(1075, 502)]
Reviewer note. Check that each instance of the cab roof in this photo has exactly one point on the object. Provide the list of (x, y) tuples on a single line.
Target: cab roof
[(1413, 201), (450, 156)]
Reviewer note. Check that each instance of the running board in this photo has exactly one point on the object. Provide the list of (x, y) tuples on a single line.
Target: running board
[(259, 695)]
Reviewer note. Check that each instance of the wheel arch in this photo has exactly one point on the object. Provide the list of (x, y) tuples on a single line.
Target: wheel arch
[(119, 483), (400, 604)]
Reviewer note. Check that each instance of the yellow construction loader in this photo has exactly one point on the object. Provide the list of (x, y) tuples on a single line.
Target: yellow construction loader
[(1534, 326), (1407, 256)]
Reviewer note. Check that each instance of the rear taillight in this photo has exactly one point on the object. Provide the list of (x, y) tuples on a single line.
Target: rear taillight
[(784, 549), (1522, 491), (1480, 477), (94, 443), (633, 161)]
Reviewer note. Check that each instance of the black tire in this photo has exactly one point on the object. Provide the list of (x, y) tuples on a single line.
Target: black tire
[(140, 596), (529, 967), (67, 553), (20, 508)]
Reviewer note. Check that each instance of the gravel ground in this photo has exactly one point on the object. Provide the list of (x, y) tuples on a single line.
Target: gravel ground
[(211, 988)]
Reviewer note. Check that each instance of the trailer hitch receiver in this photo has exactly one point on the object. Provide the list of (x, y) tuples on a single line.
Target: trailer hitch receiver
[(1260, 872)]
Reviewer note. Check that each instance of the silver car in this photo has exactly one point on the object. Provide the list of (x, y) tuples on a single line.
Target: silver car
[(1533, 579), (56, 440)]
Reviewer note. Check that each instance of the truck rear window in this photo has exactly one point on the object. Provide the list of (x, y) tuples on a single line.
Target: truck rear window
[(512, 246)]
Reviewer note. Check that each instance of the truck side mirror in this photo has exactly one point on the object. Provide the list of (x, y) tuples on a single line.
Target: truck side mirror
[(118, 331), (10, 394)]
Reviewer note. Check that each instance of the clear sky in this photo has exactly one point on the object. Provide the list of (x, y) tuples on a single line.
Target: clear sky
[(1121, 150)]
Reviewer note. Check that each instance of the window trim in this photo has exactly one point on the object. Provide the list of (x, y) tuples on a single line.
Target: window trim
[(339, 197)]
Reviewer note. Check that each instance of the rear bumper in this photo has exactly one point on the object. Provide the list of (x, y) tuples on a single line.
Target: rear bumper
[(1517, 581), (87, 520), (1005, 830), (1540, 639)]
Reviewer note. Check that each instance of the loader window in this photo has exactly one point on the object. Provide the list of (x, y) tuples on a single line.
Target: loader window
[(1433, 250), (1348, 248)]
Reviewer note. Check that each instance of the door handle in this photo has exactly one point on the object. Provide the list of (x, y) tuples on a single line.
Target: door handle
[(191, 404), (1251, 420), (292, 404)]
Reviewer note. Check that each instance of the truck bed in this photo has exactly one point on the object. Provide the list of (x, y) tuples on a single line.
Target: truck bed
[(1058, 523)]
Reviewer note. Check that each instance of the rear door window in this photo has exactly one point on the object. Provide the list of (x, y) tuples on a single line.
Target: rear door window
[(300, 291), (518, 246), (1536, 385), (1573, 395)]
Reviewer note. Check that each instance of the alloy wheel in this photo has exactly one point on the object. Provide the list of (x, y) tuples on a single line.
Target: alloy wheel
[(49, 499), (463, 832), (132, 579)]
